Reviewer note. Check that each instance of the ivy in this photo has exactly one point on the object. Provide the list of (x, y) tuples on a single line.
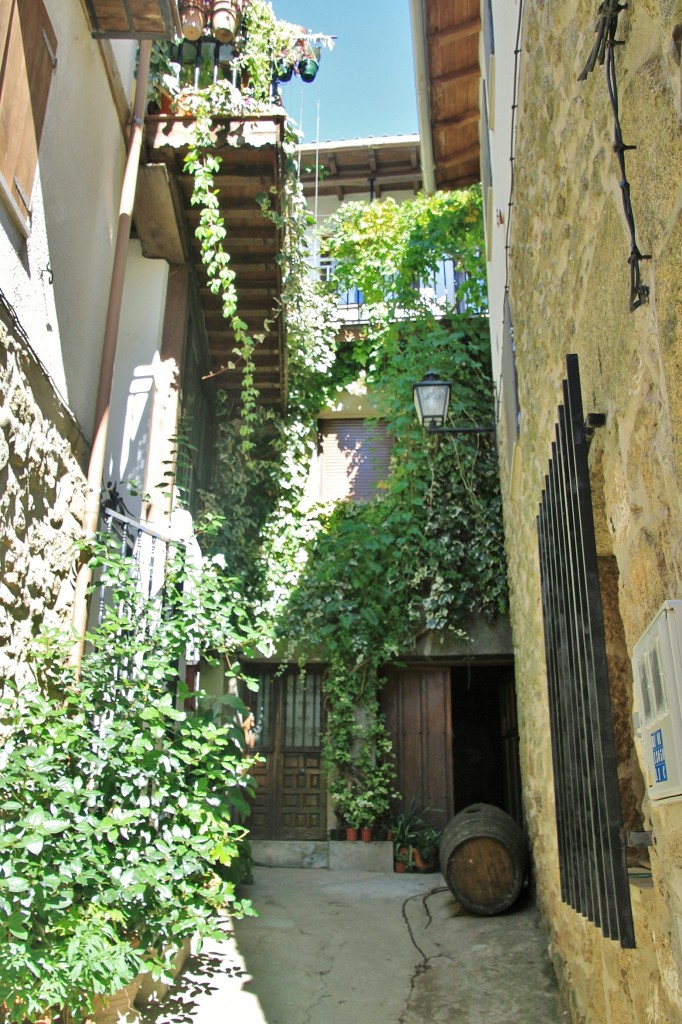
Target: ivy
[(355, 584), (358, 583)]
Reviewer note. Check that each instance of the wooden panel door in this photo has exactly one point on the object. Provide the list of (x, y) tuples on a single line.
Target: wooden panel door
[(291, 798), (417, 705)]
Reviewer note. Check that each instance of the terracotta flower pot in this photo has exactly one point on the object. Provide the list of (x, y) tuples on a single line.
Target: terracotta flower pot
[(192, 18), (225, 19), (366, 834), (351, 834)]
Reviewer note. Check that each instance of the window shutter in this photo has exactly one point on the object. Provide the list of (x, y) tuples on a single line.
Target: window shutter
[(510, 398), (29, 56), (355, 458)]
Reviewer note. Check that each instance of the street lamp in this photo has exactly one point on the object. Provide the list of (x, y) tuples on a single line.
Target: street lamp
[(431, 400)]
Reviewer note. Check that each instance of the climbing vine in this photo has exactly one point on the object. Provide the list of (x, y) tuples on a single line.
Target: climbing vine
[(359, 583), (354, 583)]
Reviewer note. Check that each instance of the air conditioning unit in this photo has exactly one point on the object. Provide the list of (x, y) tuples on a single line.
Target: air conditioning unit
[(657, 669)]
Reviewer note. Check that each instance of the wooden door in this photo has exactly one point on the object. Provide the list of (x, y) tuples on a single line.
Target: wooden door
[(417, 705), (291, 798)]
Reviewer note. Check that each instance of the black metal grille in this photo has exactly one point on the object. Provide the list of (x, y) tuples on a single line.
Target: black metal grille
[(594, 877)]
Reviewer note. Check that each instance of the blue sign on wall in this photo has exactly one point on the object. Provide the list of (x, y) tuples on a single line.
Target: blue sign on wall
[(659, 756)]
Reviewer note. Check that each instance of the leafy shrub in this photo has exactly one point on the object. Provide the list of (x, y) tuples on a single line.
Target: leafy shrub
[(116, 806)]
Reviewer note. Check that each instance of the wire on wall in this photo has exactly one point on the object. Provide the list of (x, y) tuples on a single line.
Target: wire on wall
[(603, 52)]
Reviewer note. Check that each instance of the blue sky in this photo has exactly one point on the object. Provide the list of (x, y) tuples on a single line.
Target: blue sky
[(365, 85)]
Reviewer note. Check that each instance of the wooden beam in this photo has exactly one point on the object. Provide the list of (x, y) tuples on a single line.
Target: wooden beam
[(409, 175), (458, 120), (454, 33), (154, 215), (458, 75), (454, 159)]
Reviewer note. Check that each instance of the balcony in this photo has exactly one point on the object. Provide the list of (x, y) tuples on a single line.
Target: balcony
[(439, 293), (165, 222)]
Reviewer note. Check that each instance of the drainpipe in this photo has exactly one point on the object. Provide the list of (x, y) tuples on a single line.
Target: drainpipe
[(79, 617), (421, 70)]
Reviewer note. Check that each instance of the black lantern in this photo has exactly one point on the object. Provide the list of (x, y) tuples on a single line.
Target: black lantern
[(431, 400)]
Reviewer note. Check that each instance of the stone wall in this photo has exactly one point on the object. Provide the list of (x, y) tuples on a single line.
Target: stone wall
[(569, 292), (41, 495)]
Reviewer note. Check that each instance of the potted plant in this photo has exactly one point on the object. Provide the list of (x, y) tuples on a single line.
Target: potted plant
[(415, 839), (426, 848)]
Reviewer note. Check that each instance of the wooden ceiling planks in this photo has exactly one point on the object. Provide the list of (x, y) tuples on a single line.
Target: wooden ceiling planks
[(132, 19), (453, 30), (362, 166), (251, 154)]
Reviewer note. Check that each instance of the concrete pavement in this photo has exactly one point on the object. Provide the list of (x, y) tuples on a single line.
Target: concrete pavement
[(333, 947)]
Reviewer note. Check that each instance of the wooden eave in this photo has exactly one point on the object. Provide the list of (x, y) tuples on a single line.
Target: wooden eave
[(165, 223), (453, 30), (362, 167), (132, 19)]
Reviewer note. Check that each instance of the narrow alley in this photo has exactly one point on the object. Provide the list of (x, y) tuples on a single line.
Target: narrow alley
[(331, 947)]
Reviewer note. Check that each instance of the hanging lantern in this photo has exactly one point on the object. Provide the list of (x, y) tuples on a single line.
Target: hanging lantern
[(225, 19), (193, 18)]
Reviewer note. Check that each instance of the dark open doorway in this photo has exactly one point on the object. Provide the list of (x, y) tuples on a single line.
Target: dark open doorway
[(485, 738)]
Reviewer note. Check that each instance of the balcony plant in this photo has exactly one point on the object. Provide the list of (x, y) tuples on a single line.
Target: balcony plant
[(118, 811)]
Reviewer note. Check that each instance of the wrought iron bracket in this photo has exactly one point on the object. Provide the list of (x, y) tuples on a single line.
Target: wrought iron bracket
[(461, 430), (637, 838), (593, 421)]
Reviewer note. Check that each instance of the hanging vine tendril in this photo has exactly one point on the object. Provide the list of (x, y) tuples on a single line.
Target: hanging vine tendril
[(603, 52)]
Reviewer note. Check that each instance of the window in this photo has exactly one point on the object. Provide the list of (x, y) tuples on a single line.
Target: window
[(354, 457), (486, 176), (510, 400), (196, 447), (28, 54)]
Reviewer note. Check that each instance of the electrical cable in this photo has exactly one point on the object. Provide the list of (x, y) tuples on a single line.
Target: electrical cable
[(603, 52)]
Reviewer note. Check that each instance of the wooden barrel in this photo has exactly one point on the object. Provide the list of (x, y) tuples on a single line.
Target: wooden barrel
[(484, 857)]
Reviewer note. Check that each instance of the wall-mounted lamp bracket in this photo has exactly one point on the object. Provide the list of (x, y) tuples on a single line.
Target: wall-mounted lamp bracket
[(593, 421), (637, 838), (460, 430)]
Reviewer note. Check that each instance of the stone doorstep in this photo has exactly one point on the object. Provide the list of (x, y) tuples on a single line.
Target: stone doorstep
[(334, 856)]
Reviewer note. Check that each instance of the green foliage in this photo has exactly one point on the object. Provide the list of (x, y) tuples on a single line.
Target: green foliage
[(360, 582), (263, 38), (413, 831), (384, 248), (116, 806)]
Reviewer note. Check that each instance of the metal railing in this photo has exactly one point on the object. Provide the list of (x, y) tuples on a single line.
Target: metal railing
[(439, 291), (592, 864), (148, 551)]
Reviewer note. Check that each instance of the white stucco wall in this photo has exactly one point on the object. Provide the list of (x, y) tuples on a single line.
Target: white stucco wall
[(500, 92), (137, 362), (57, 280)]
